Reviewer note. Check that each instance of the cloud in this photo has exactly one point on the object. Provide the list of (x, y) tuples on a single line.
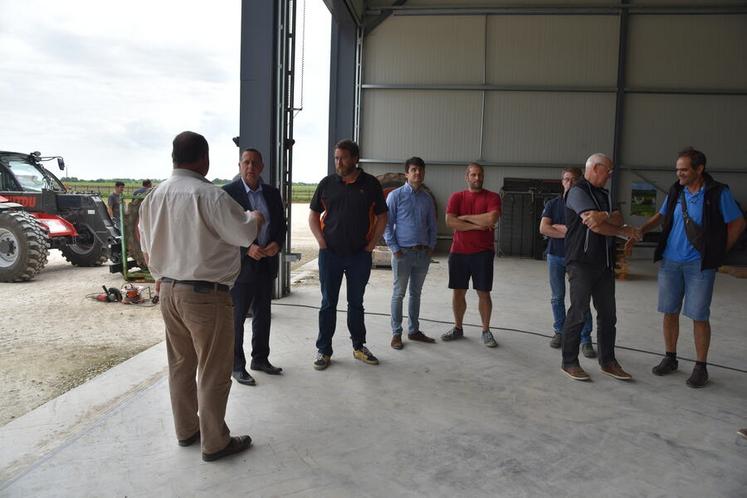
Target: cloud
[(109, 85)]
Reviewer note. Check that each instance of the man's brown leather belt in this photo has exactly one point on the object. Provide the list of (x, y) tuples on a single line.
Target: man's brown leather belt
[(417, 248), (197, 284)]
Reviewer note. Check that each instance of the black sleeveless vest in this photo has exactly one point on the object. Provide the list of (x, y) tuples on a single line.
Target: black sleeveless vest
[(712, 223)]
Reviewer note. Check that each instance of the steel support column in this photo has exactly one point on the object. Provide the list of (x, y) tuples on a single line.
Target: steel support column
[(266, 103), (257, 116), (620, 100), (343, 84)]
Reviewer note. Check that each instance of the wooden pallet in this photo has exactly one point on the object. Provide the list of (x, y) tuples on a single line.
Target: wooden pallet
[(735, 271), (621, 263)]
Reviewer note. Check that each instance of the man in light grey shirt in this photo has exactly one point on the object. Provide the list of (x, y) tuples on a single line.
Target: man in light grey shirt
[(189, 231)]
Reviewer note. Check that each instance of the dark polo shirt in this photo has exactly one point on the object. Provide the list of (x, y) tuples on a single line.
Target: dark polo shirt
[(349, 211)]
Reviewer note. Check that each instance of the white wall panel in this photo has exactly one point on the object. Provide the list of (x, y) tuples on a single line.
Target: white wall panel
[(398, 124), (553, 50), (440, 49), (688, 52), (658, 126), (547, 127)]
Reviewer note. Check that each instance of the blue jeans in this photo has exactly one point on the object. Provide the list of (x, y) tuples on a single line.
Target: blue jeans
[(357, 269), (412, 267), (678, 281), (556, 269)]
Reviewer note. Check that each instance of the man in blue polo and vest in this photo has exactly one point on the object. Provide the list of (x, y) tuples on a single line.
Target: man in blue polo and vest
[(701, 223)]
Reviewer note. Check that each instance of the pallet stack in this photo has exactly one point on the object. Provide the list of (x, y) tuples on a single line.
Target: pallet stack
[(621, 262), (735, 271)]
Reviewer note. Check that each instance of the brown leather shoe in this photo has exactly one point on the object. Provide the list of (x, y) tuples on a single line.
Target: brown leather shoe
[(613, 369), (575, 373), (190, 440), (397, 341), (419, 336), (235, 445)]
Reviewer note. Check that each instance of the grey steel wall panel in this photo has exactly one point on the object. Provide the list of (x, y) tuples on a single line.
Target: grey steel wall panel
[(381, 4), (688, 52), (701, 3), (552, 50), (657, 126), (398, 124), (547, 127), (442, 49)]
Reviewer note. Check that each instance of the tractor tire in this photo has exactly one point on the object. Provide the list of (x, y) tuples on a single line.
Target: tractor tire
[(87, 250), (23, 246), (131, 234)]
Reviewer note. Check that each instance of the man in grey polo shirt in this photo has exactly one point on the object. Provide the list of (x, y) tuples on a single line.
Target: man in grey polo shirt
[(592, 224)]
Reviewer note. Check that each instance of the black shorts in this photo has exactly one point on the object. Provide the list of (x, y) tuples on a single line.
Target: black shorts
[(478, 267)]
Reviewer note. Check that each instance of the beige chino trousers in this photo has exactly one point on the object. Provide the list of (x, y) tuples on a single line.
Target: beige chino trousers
[(199, 343)]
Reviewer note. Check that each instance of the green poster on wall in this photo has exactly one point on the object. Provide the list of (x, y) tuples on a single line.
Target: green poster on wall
[(642, 199)]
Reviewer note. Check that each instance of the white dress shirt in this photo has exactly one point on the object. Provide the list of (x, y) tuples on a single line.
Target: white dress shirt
[(190, 230)]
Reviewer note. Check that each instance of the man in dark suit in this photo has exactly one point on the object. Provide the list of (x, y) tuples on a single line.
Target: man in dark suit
[(259, 266)]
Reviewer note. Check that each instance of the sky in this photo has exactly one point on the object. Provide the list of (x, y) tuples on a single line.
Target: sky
[(108, 85)]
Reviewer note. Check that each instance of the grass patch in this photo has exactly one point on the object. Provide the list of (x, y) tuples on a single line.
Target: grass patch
[(301, 192)]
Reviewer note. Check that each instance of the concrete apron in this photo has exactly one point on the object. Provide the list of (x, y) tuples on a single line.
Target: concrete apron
[(445, 419)]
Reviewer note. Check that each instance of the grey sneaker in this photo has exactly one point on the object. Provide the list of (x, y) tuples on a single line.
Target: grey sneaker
[(452, 334), (588, 350), (488, 339), (556, 340), (322, 361)]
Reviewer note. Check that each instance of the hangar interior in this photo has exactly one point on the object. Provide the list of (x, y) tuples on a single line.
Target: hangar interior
[(526, 88), (523, 88)]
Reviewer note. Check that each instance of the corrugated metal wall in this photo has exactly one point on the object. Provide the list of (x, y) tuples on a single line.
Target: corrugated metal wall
[(528, 94), (681, 71)]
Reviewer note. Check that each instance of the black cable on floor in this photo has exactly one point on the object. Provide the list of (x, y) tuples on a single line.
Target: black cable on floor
[(519, 331)]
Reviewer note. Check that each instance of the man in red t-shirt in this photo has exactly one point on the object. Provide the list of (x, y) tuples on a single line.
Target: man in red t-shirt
[(472, 214)]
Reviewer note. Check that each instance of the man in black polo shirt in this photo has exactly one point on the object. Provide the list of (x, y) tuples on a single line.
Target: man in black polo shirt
[(590, 261), (348, 215)]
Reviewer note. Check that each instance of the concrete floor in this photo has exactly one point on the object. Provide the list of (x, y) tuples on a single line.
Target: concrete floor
[(453, 419)]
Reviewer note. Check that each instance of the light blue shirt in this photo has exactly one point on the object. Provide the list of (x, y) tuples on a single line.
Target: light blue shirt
[(678, 246), (258, 203), (412, 219)]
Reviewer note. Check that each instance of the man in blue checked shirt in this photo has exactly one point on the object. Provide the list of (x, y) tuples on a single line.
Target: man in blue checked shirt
[(691, 255), (411, 236)]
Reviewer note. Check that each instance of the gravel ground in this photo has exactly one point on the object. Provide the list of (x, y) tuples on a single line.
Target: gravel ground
[(53, 338)]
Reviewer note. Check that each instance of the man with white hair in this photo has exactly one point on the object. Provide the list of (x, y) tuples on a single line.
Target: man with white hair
[(592, 226)]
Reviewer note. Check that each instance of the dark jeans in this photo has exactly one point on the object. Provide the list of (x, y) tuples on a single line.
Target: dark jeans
[(357, 269), (257, 295), (597, 283)]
